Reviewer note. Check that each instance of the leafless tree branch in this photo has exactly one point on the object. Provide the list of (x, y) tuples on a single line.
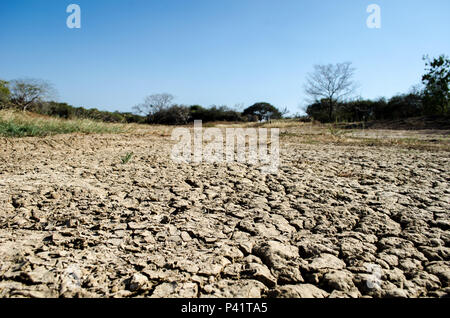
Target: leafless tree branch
[(331, 83), (25, 92), (154, 103)]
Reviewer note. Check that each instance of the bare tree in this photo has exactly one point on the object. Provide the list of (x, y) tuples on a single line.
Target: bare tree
[(331, 83), (25, 92), (284, 112), (154, 103), (239, 107)]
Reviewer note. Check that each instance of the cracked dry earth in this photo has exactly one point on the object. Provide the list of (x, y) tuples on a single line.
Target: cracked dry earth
[(76, 222)]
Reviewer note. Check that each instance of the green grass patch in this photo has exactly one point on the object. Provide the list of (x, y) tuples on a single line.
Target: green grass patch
[(19, 124), (125, 159)]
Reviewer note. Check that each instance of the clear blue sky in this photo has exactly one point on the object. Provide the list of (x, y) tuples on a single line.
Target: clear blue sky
[(220, 52)]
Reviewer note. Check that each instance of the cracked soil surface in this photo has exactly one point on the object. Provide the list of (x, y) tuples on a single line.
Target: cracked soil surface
[(338, 220)]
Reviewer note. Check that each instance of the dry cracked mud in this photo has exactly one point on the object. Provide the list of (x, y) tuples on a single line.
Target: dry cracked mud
[(338, 220)]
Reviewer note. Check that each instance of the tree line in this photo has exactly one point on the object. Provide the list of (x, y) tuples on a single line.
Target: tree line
[(34, 94), (160, 109), (330, 90)]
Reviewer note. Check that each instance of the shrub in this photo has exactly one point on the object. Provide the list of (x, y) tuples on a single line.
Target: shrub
[(214, 113), (399, 106), (437, 81), (5, 94), (173, 115)]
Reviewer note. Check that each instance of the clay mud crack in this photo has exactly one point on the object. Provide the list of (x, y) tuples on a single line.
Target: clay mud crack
[(347, 220)]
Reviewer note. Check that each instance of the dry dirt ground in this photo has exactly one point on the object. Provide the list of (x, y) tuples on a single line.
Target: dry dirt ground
[(349, 214)]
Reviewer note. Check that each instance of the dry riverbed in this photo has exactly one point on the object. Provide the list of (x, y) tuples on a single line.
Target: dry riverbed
[(349, 214)]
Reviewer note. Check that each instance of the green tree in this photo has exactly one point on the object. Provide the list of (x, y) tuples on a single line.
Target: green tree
[(263, 111), (4, 94), (436, 80)]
